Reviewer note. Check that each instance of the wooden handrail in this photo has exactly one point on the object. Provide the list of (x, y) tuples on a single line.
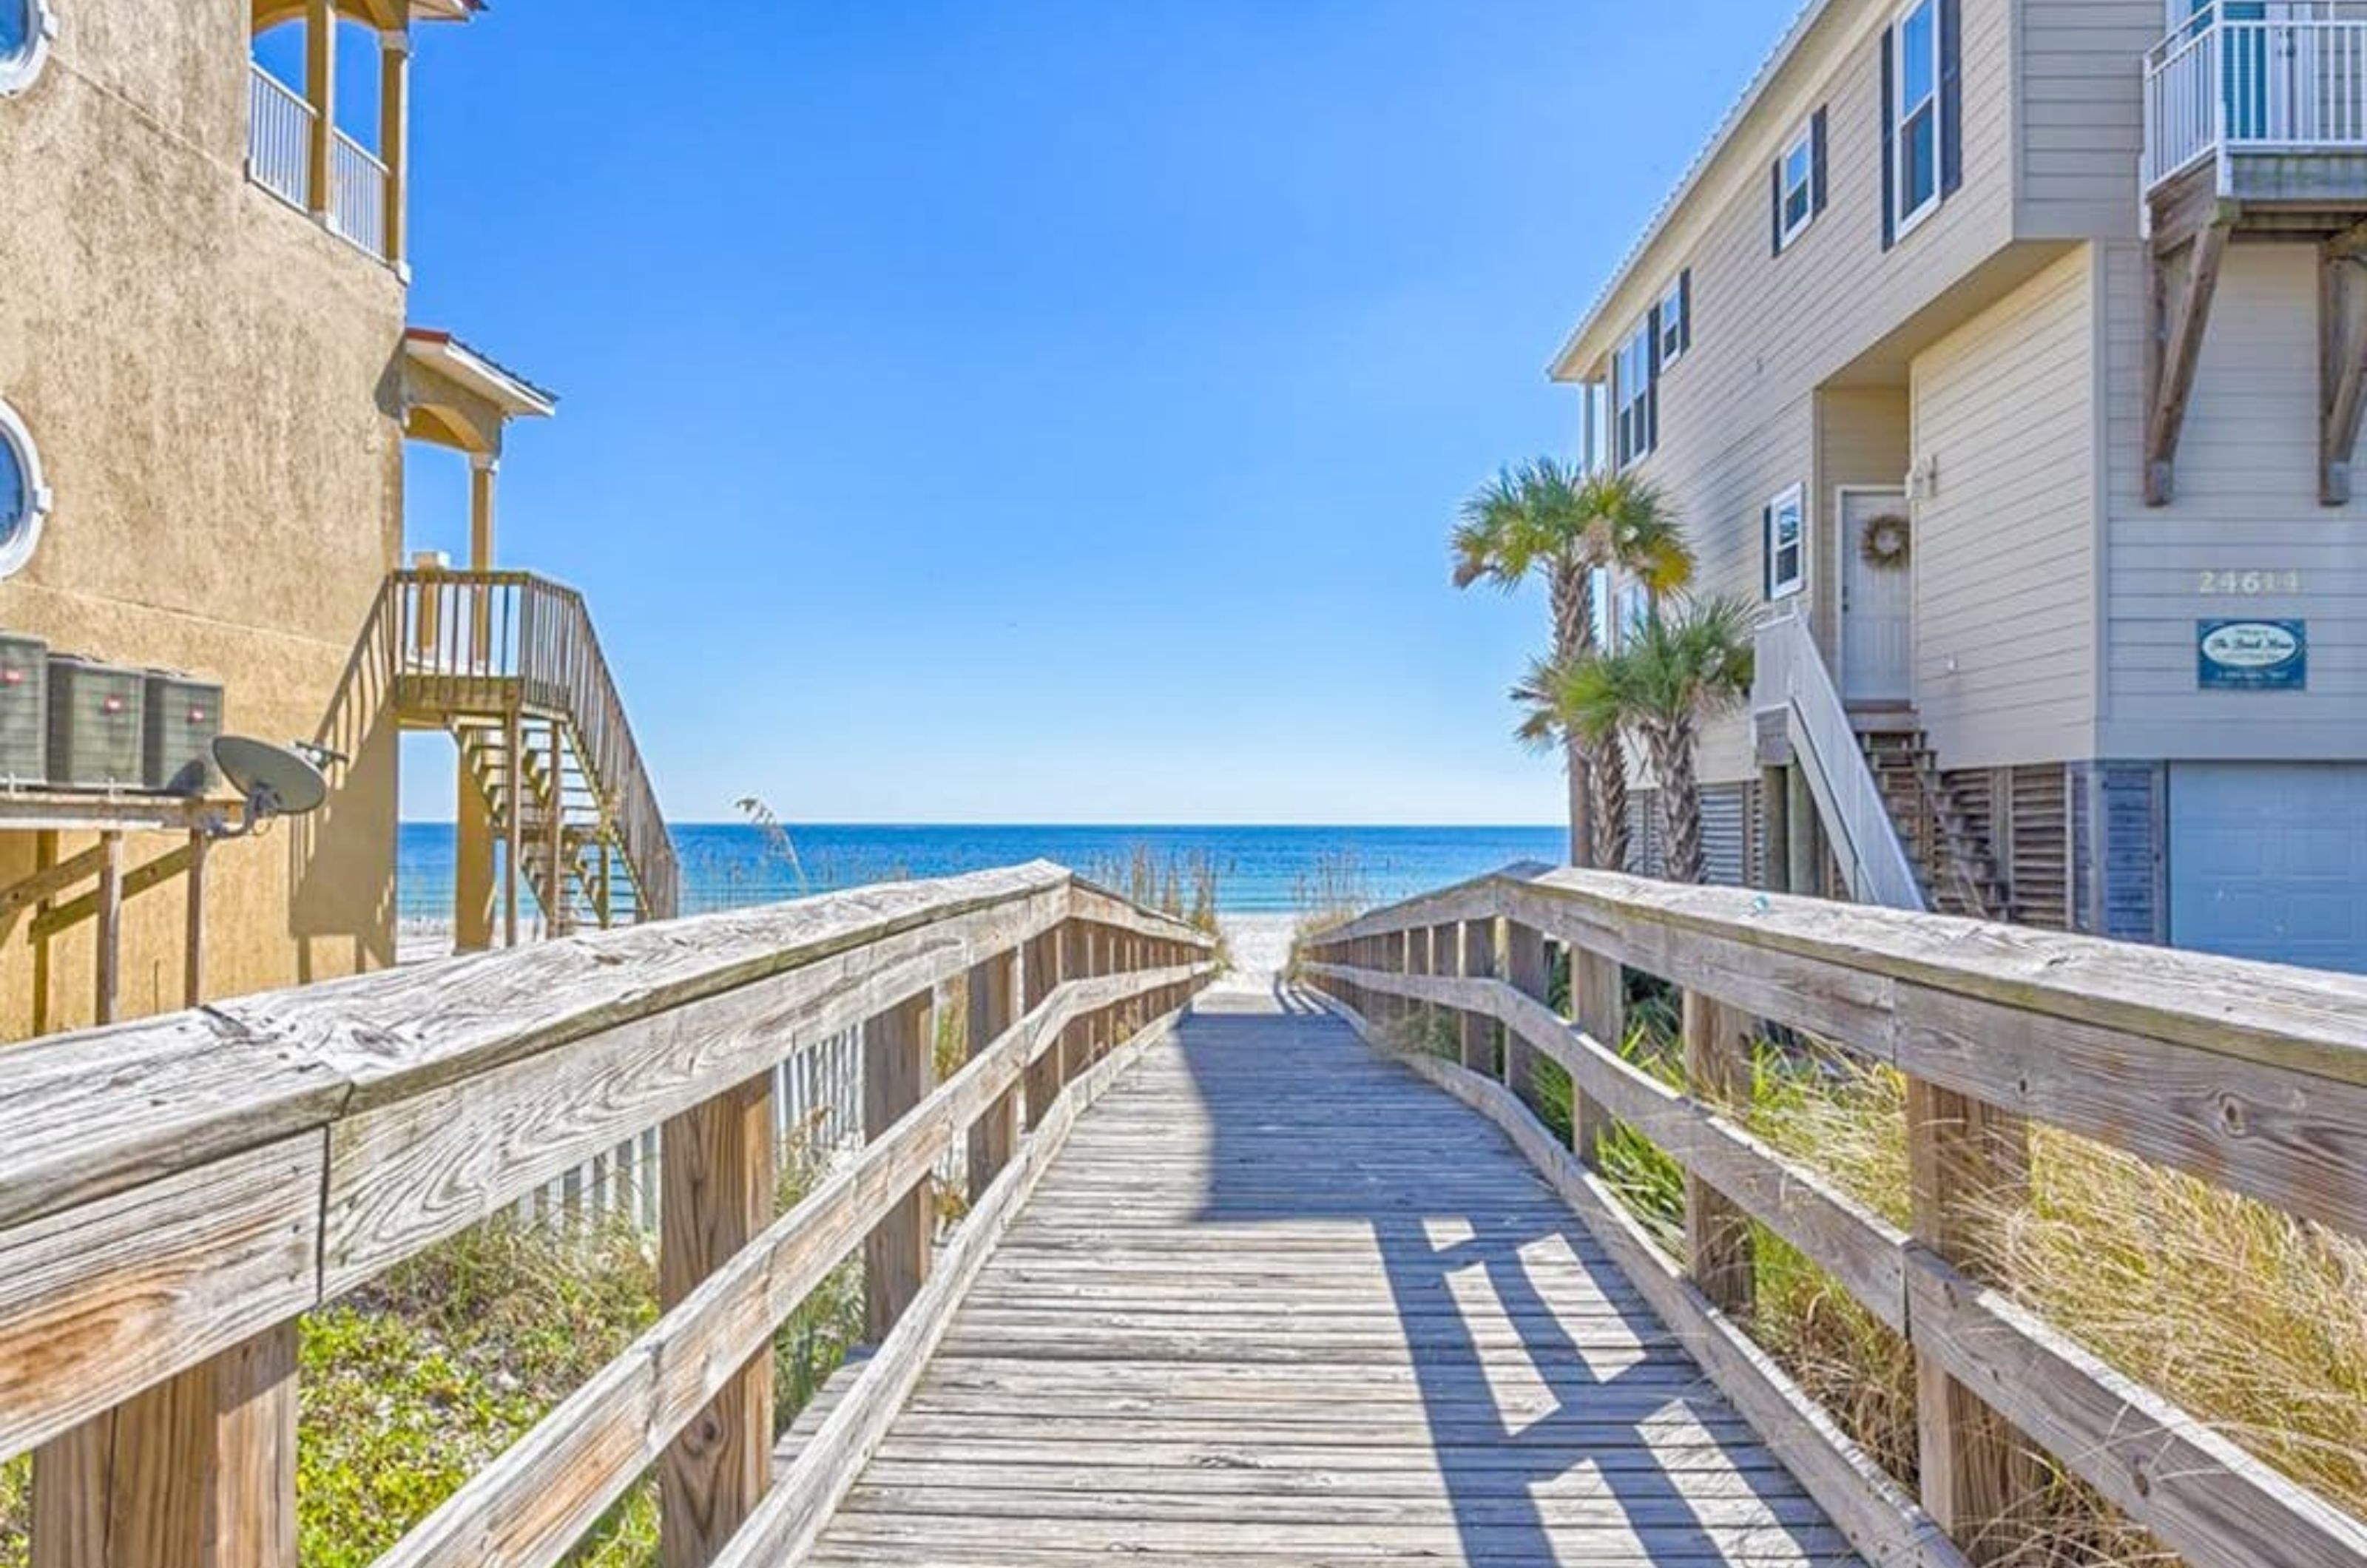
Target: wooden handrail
[(2251, 1076), (174, 1193)]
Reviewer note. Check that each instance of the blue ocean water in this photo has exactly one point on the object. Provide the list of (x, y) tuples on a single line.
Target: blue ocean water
[(1259, 870)]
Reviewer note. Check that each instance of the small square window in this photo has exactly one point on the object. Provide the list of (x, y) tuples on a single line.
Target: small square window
[(1784, 521)]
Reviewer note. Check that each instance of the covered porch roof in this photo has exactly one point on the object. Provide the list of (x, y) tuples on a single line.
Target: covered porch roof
[(457, 396)]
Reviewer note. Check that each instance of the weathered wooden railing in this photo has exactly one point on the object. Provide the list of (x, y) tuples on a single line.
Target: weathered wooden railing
[(174, 1194), (2253, 1078)]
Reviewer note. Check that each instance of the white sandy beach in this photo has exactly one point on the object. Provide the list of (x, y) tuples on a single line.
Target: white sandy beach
[(1260, 945)]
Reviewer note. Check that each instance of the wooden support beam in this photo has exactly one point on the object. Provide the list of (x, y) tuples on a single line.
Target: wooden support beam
[(394, 139), (1968, 1164), (49, 877), (2341, 368), (106, 966), (895, 1080), (197, 1471), (1598, 1002), (139, 880), (45, 856), (716, 1165), (1478, 963), (320, 93), (1720, 1254), (1526, 971), (2174, 347), (1040, 971), (513, 822), (989, 1012), (193, 952)]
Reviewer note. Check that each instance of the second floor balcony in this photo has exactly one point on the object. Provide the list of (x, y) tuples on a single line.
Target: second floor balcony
[(2262, 100)]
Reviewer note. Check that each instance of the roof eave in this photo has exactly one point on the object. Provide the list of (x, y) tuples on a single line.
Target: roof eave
[(1591, 339)]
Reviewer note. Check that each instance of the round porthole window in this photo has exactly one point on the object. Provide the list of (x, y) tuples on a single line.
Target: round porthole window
[(23, 500), (26, 29)]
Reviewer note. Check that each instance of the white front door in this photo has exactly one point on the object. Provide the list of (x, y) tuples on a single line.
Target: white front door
[(1877, 598)]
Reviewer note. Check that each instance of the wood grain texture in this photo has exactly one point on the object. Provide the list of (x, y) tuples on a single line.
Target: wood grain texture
[(1277, 1300), (716, 1176), (530, 1507), (989, 992), (1719, 1254), (895, 1080)]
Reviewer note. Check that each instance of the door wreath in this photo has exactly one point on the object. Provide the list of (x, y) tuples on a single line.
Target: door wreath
[(1885, 541)]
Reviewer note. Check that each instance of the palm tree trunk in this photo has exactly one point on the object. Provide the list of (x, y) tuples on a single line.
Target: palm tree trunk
[(1611, 807), (1672, 759), (1571, 589)]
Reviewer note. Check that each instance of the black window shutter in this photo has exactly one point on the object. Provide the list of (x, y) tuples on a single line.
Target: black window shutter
[(1951, 95), (1684, 309), (1889, 138), (1816, 162), (1767, 552), (1775, 209), (1652, 383)]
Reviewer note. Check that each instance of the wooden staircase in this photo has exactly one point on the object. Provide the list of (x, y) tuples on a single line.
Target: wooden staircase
[(1947, 838), (508, 664)]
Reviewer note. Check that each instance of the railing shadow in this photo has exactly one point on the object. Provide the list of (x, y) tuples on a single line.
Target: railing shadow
[(1533, 1358)]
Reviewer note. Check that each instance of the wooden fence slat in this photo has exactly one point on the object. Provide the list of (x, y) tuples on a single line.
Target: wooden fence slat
[(895, 1080), (1719, 1254), (989, 994), (717, 1171)]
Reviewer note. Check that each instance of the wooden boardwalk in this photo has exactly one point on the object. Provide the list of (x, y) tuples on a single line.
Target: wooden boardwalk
[(1281, 1300)]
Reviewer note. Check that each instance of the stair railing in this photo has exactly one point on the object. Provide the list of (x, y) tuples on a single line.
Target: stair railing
[(1792, 679), (506, 626)]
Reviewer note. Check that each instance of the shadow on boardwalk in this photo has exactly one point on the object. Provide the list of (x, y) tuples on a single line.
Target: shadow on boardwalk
[(1280, 1300)]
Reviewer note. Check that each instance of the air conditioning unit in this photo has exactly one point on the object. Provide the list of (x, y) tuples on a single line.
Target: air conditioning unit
[(182, 717), (96, 729), (23, 711)]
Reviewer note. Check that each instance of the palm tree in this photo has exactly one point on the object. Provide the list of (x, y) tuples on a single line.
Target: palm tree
[(1676, 672), (1549, 519)]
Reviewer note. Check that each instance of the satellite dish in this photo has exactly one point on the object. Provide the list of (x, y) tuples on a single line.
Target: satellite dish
[(274, 780)]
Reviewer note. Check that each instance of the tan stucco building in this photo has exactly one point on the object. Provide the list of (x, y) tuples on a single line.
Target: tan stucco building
[(2010, 351), (206, 383)]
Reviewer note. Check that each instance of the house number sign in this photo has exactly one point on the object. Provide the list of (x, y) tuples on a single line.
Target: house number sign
[(2251, 656), (2255, 582)]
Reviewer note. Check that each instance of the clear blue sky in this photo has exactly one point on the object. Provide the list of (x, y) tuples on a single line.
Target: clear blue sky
[(1043, 410)]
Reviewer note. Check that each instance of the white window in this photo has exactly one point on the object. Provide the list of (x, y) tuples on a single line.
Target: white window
[(1632, 385), (1796, 188), (1676, 326), (23, 501), (1915, 114), (26, 29), (1785, 525)]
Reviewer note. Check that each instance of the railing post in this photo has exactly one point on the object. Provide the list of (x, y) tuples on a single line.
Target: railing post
[(716, 1177), (1719, 1249), (895, 1080), (1417, 1015), (1968, 1162), (1524, 969), (1598, 1003), (198, 1472), (996, 1134), (1478, 947), (320, 93), (1039, 973)]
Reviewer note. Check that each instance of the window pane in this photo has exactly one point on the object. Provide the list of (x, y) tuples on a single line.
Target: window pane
[(1795, 208), (1918, 56), (1920, 160), (15, 26), (14, 502), (1797, 165)]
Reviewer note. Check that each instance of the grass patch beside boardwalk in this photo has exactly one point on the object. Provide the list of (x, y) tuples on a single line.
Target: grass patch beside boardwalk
[(412, 1384)]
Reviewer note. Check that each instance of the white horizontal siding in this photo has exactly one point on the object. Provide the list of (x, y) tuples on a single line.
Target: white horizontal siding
[(2247, 500), (2005, 550)]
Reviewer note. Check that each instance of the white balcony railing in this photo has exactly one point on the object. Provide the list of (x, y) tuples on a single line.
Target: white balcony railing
[(2260, 76), (279, 129), (280, 139), (358, 181), (1791, 679)]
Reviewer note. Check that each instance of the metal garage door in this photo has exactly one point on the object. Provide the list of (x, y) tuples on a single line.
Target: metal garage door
[(2269, 860)]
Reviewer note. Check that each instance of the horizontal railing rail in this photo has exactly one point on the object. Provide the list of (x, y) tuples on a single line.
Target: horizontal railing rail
[(2287, 77), (175, 1194), (2250, 1076)]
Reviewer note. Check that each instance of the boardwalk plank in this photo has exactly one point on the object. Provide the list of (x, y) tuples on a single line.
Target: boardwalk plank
[(1279, 1300)]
